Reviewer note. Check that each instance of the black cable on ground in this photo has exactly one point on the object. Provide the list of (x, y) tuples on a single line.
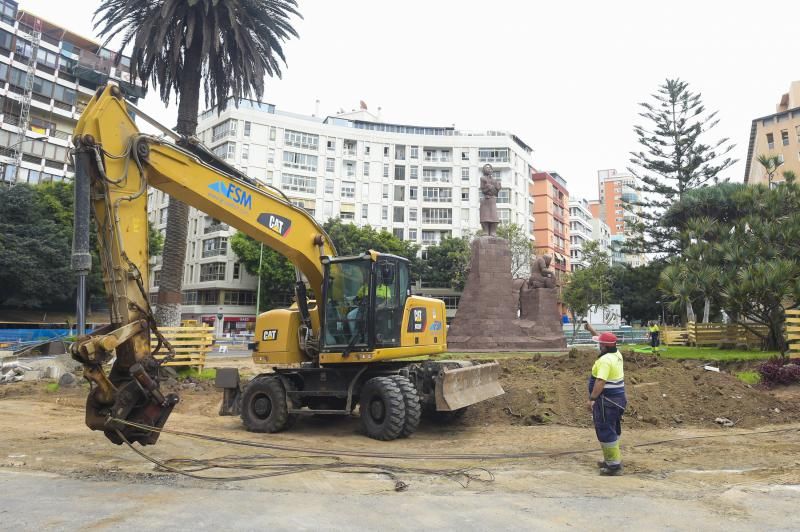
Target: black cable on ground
[(434, 456)]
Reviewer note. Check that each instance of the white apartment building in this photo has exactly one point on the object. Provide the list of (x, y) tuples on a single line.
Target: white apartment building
[(580, 231), (420, 183), (602, 235)]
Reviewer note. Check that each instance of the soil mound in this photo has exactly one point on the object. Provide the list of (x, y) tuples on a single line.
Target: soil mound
[(661, 392)]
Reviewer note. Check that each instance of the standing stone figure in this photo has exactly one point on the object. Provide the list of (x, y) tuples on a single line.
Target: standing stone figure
[(490, 187)]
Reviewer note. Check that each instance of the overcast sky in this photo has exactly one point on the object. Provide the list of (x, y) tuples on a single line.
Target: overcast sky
[(564, 76)]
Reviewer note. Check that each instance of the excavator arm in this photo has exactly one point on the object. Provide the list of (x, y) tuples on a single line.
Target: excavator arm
[(114, 165)]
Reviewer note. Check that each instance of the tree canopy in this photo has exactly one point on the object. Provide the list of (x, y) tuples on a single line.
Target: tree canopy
[(35, 248), (674, 158), (743, 255), (589, 288)]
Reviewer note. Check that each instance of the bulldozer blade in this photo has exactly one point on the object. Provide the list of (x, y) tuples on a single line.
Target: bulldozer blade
[(460, 387)]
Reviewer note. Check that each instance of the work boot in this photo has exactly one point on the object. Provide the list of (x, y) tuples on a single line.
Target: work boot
[(611, 471), (601, 464)]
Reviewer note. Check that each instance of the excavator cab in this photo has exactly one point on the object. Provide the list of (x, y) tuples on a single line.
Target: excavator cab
[(364, 298)]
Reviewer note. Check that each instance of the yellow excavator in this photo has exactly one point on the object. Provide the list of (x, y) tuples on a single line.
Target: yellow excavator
[(338, 347)]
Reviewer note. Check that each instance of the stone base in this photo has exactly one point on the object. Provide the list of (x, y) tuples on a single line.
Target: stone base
[(539, 308), (487, 312)]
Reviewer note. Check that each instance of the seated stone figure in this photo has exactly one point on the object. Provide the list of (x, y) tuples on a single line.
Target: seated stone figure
[(542, 275)]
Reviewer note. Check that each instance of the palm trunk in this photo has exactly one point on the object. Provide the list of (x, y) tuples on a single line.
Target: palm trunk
[(168, 310), (706, 310), (689, 311)]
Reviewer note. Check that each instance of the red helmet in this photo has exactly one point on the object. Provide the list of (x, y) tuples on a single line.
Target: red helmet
[(606, 338)]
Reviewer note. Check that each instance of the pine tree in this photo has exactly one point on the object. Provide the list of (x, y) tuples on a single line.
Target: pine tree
[(674, 159)]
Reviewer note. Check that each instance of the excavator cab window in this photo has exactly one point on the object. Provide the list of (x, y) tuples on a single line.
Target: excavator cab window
[(347, 304), (388, 307)]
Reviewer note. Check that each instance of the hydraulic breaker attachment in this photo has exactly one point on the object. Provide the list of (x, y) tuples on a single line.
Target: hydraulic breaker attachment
[(467, 385)]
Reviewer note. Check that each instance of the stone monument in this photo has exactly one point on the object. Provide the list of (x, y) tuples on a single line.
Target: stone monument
[(487, 312), (538, 304)]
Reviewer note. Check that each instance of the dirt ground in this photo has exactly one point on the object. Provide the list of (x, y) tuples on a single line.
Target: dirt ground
[(542, 411)]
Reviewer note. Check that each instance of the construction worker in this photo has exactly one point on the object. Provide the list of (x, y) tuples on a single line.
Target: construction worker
[(655, 332), (607, 400)]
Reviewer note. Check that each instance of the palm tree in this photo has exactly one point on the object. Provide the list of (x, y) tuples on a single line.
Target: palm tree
[(226, 47)]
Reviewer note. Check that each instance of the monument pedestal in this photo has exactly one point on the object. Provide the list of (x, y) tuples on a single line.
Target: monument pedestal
[(487, 312), (538, 312)]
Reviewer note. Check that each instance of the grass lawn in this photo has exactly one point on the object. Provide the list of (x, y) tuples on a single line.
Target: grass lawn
[(705, 353), (208, 374)]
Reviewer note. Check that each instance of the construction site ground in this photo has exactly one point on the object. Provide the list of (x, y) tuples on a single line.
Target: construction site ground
[(56, 474)]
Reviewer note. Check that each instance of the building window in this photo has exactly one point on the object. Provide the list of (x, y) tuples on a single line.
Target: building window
[(226, 150), (349, 168), (437, 216), (162, 216), (364, 211), (271, 156), (437, 194), (797, 132), (412, 214), (385, 170), (347, 215), (464, 155), (505, 217), (493, 155), (366, 169), (399, 214), (329, 186), (399, 173), (399, 193), (247, 126), (299, 139), (299, 183), (386, 151), (348, 189), (398, 232), (399, 152), (412, 235), (785, 137), (464, 194), (504, 196), (240, 297), (225, 129), (214, 271), (364, 191), (366, 149), (300, 161), (465, 174), (385, 213), (770, 141), (245, 152), (412, 193), (156, 277), (272, 133), (349, 147), (330, 164), (465, 215), (414, 172), (415, 152), (236, 270), (213, 247)]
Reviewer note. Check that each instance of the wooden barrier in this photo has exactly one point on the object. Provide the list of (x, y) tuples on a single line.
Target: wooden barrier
[(191, 345), (713, 334), (792, 324), (674, 336)]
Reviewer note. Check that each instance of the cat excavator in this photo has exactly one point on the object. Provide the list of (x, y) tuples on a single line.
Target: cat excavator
[(341, 344)]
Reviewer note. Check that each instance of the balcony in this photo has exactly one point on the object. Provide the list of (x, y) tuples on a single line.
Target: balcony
[(214, 228)]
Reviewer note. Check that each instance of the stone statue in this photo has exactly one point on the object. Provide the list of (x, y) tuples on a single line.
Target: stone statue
[(490, 187), (542, 275)]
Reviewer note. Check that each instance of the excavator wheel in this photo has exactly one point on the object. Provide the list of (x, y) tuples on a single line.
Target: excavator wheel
[(383, 409), (264, 405), (413, 407)]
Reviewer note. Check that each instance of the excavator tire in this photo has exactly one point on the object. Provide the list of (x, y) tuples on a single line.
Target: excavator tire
[(264, 405), (413, 406), (383, 409)]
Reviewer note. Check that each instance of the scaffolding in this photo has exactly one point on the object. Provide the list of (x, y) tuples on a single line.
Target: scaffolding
[(27, 95)]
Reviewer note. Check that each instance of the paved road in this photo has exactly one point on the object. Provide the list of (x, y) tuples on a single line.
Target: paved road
[(37, 501)]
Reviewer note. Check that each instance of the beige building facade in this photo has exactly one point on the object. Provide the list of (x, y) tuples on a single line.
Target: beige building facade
[(776, 134)]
